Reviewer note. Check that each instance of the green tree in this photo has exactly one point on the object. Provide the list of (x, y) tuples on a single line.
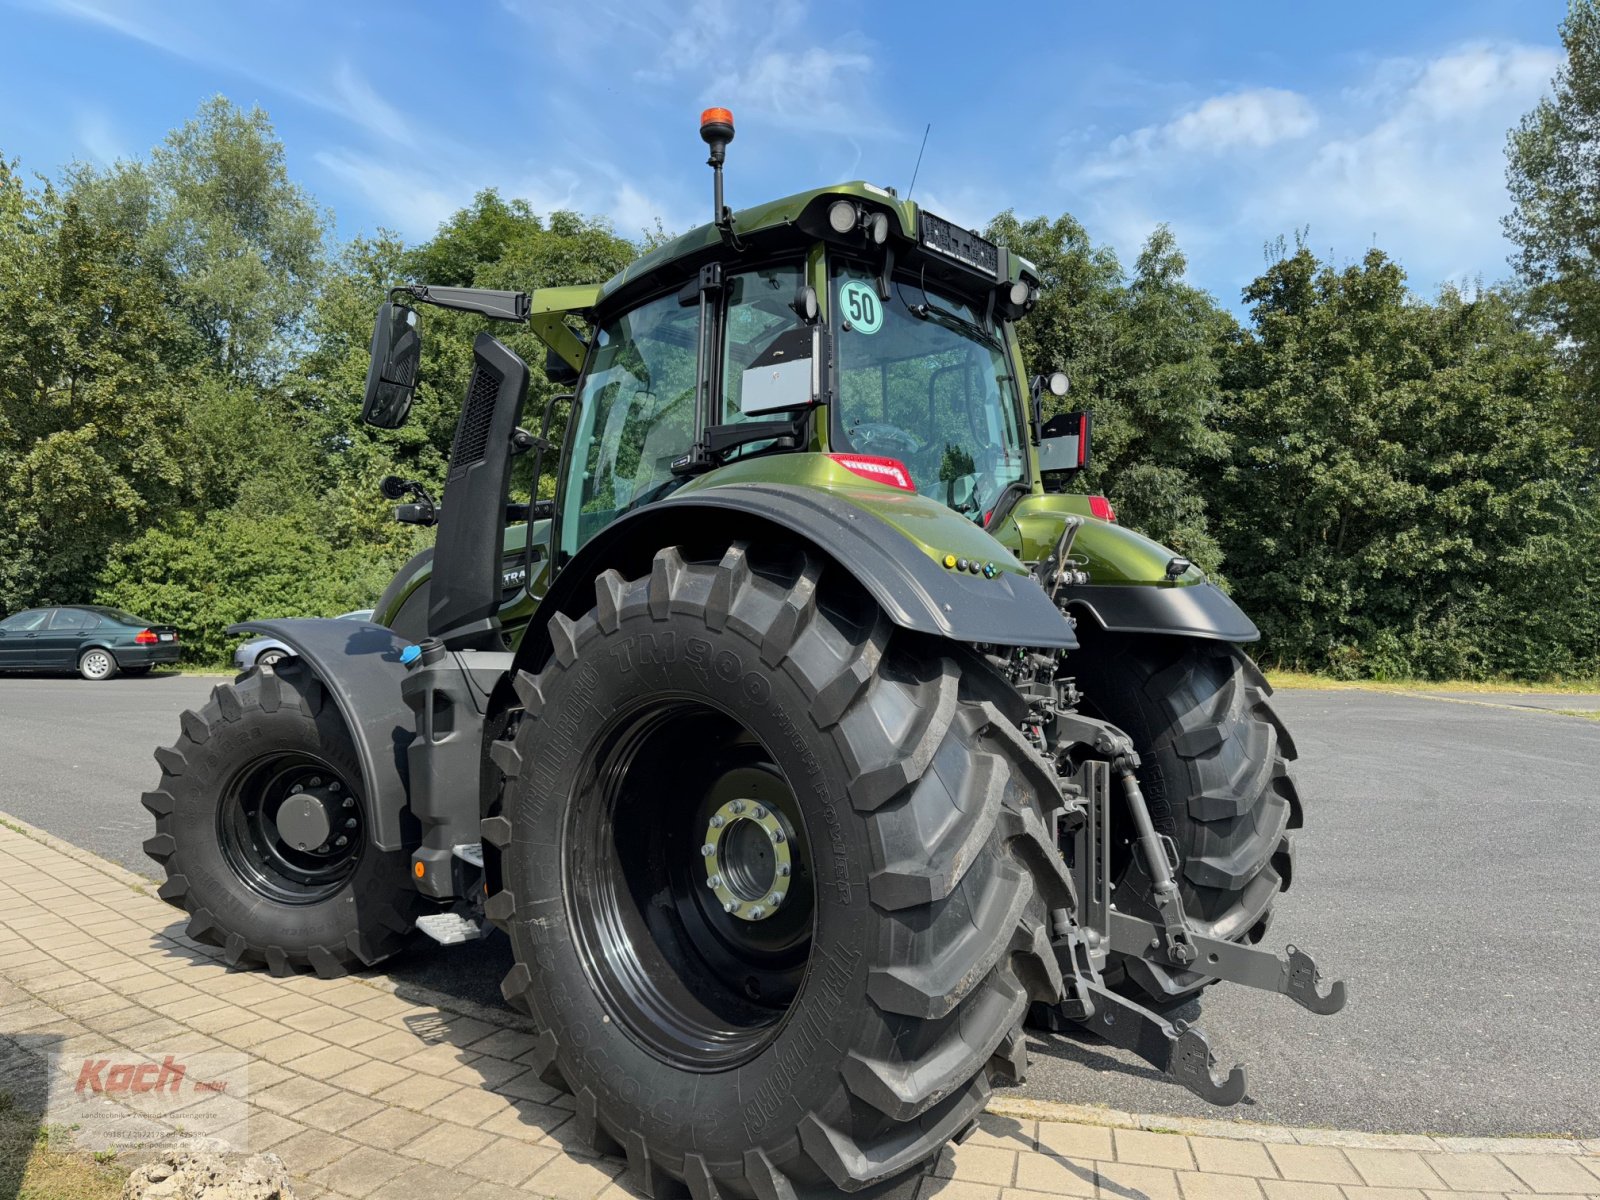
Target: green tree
[(1553, 161), (1396, 479), (92, 377), (1139, 353)]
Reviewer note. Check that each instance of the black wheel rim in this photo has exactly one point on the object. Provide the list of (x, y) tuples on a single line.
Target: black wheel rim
[(268, 820), (695, 942)]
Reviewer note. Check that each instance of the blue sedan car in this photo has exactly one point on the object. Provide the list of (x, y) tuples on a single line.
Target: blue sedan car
[(95, 641)]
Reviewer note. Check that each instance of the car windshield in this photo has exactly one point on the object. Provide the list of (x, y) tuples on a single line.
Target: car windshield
[(923, 382)]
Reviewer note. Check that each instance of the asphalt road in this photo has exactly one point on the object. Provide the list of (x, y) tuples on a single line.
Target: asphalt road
[(1446, 872)]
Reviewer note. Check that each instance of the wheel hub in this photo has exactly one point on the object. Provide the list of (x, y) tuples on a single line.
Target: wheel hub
[(305, 820), (749, 859)]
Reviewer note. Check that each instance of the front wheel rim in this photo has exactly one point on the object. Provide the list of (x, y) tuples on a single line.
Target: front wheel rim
[(661, 904), (290, 828)]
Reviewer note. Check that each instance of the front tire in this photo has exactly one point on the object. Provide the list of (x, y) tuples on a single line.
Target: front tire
[(261, 827), (1215, 773), (97, 665), (841, 1040)]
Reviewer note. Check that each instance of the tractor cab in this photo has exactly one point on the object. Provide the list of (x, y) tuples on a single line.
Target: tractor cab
[(842, 323)]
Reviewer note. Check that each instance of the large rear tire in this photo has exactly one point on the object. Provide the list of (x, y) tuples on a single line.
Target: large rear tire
[(839, 1038), (1215, 774), (266, 766)]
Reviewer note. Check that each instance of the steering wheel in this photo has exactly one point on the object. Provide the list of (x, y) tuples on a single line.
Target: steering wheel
[(872, 434)]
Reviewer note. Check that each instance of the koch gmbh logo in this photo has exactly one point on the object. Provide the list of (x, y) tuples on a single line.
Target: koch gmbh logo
[(126, 1098)]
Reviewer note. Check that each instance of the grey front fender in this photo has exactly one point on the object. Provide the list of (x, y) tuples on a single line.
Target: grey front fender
[(1201, 610), (359, 664)]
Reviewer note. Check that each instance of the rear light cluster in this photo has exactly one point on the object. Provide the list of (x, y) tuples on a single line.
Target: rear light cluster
[(880, 470), (1100, 507), (149, 637)]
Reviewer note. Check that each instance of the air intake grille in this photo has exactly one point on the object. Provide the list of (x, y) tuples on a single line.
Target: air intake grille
[(472, 434)]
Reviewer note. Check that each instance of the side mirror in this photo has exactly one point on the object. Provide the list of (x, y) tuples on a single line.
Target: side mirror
[(1064, 445), (558, 370), (392, 374)]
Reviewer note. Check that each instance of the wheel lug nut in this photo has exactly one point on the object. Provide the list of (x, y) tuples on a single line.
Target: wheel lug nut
[(350, 823), (775, 899), (783, 871), (343, 841), (736, 806), (333, 786), (732, 906), (761, 812), (777, 835), (758, 912), (714, 882), (349, 803), (296, 790), (718, 821), (708, 850)]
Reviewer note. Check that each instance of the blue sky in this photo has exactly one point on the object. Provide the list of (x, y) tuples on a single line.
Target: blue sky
[(1359, 122)]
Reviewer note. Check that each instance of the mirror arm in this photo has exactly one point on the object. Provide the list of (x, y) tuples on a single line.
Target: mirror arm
[(496, 305)]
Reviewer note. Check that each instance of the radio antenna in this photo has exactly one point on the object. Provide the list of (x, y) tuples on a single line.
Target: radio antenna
[(918, 167)]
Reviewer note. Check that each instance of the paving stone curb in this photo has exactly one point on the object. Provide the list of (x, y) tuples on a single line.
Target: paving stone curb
[(367, 1088)]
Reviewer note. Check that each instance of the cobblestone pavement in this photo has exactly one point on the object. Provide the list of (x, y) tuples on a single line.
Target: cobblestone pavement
[(366, 1089)]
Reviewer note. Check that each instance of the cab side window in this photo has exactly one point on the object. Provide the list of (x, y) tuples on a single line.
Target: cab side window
[(635, 415), (767, 354)]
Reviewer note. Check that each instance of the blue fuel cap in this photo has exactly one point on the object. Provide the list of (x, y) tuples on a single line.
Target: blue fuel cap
[(409, 655)]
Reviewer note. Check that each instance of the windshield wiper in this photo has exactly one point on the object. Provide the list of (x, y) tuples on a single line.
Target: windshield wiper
[(929, 311)]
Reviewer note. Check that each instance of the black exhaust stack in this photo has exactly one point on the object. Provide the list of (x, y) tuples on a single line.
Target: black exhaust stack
[(465, 595)]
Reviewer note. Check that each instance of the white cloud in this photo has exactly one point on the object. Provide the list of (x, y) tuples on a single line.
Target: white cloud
[(1257, 119), (1252, 120), (96, 135), (1408, 156), (761, 60), (355, 99), (1427, 169), (403, 199)]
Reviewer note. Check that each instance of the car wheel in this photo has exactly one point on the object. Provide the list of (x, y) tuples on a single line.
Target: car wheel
[(97, 664), (271, 658)]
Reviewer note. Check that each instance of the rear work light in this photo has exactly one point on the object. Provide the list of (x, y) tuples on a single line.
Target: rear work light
[(146, 637), (1100, 507), (880, 470)]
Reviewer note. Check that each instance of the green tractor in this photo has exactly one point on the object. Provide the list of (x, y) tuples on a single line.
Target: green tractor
[(810, 741)]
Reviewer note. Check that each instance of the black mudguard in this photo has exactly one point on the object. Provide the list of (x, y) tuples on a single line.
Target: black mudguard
[(1201, 610), (359, 664), (914, 591)]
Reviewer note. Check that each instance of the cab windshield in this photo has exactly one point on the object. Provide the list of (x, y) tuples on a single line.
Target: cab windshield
[(921, 381)]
